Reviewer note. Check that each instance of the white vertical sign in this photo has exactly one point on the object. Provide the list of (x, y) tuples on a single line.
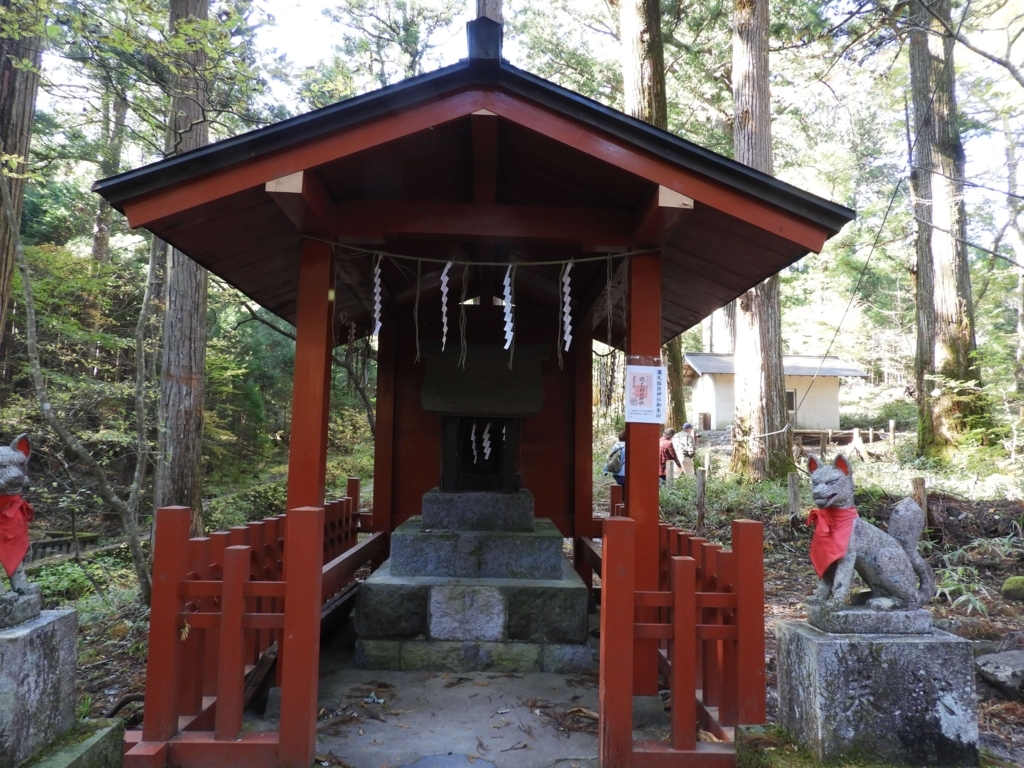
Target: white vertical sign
[(646, 394)]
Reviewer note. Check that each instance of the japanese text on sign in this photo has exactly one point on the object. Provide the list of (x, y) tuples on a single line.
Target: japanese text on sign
[(646, 394)]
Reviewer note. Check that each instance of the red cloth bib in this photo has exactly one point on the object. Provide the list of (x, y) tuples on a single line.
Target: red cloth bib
[(832, 529), (15, 515)]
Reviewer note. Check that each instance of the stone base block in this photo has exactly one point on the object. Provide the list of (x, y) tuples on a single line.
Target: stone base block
[(90, 744), (477, 554), (454, 656), (392, 607), (37, 684), (16, 608), (907, 699), (478, 511), (861, 620)]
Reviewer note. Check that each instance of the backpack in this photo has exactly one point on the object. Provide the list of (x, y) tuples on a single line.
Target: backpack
[(614, 464)]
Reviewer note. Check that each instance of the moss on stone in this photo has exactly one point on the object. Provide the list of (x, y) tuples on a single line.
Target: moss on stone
[(1013, 588)]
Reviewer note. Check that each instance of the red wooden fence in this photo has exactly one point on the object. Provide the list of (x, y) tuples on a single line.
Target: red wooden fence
[(219, 602), (710, 627)]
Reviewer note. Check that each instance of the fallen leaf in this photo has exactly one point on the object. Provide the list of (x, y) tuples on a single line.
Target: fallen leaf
[(481, 746), (703, 735), (360, 731), (520, 745), (581, 712)]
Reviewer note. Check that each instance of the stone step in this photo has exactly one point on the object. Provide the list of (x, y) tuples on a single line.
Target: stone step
[(392, 607), (478, 511), (477, 554), (454, 656)]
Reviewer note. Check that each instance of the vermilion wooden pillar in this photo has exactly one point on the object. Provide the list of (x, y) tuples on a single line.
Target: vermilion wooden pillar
[(583, 517), (311, 391), (384, 435), (644, 339)]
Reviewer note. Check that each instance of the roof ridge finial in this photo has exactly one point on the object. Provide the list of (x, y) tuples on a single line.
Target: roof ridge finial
[(490, 9)]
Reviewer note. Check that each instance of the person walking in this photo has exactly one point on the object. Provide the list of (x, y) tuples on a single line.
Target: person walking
[(666, 453), (688, 443), (615, 465)]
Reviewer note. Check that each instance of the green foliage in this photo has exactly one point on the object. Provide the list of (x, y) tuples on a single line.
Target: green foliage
[(726, 497), (961, 586), (67, 581)]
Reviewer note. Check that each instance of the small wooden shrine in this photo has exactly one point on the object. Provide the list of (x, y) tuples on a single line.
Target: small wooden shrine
[(485, 226)]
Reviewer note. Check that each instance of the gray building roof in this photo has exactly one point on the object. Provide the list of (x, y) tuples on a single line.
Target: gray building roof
[(700, 363)]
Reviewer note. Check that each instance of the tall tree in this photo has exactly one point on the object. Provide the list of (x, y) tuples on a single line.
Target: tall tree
[(643, 80), (948, 373), (761, 445), (179, 475), (20, 58)]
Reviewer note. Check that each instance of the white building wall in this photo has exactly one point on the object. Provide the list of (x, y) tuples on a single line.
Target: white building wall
[(820, 406), (715, 394)]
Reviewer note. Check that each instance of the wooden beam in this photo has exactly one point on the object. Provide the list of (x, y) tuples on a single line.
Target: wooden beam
[(598, 229), (304, 201), (189, 194), (658, 217), (622, 154), (485, 158)]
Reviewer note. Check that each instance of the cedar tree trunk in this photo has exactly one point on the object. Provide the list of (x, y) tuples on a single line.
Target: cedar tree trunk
[(948, 398), (18, 87), (179, 472), (761, 450)]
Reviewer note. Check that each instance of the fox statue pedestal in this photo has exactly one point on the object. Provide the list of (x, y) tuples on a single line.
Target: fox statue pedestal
[(37, 684), (904, 698)]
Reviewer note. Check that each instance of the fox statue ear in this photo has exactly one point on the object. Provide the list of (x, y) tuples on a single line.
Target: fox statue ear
[(22, 445), (843, 465), (812, 463)]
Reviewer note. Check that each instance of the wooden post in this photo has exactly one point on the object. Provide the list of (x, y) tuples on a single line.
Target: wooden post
[(684, 651), (193, 652), (702, 478), (615, 499), (384, 435), (794, 493), (823, 449), (311, 390), (218, 543), (583, 436), (920, 494), (642, 497), (299, 679), (618, 583), (730, 665), (892, 432), (231, 674), (163, 661), (748, 562), (871, 435)]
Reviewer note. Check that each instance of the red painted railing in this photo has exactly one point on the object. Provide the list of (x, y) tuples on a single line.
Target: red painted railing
[(709, 622), (219, 603)]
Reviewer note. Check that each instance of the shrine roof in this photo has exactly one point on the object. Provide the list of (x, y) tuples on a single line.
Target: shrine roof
[(477, 158)]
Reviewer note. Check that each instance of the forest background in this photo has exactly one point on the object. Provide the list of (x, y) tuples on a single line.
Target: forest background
[(842, 127)]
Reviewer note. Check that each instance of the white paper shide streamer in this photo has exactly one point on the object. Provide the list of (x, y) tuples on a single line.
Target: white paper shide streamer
[(566, 308), (376, 297), (472, 441), (507, 297), (487, 441), (444, 311)]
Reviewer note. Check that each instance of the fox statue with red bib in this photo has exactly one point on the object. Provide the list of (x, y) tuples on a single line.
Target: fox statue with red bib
[(23, 601), (889, 563)]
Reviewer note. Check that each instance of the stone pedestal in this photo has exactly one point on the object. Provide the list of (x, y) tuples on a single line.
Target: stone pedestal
[(903, 698), (37, 684), (475, 584)]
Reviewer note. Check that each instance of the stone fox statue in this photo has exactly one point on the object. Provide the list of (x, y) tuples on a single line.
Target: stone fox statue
[(889, 563), (15, 513)]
